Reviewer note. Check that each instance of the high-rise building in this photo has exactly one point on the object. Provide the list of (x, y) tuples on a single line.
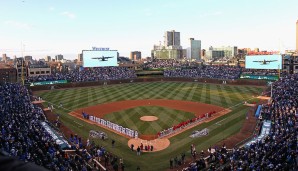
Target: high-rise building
[(80, 57), (47, 58), (297, 35), (135, 55), (172, 38), (58, 57), (194, 51), (171, 48), (4, 57)]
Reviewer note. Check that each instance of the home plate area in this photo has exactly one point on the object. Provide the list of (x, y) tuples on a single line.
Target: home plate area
[(157, 144)]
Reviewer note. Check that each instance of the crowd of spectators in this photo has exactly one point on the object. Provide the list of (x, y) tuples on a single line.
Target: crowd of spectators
[(278, 150), (24, 138), (168, 63), (88, 74), (216, 72)]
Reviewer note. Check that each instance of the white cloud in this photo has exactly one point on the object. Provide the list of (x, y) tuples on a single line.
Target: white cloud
[(17, 24), (69, 14)]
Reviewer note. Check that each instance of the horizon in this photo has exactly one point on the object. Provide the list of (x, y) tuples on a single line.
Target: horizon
[(67, 28)]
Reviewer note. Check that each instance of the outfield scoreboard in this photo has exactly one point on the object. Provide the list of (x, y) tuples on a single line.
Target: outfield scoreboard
[(99, 57), (263, 62)]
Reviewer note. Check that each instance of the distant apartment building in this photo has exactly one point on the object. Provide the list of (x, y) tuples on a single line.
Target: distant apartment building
[(213, 54), (167, 53), (229, 51), (28, 58), (135, 55), (4, 57), (21, 68), (58, 57), (194, 51), (290, 62), (203, 53), (47, 58), (36, 70), (80, 57), (7, 74)]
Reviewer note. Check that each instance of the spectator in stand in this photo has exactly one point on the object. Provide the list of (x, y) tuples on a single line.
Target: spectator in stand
[(23, 137), (278, 150), (215, 72), (168, 63), (90, 74)]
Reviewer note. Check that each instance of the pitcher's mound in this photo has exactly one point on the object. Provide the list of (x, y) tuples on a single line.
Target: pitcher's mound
[(158, 144), (149, 118)]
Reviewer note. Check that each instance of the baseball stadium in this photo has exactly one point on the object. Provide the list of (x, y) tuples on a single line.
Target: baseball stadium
[(168, 115)]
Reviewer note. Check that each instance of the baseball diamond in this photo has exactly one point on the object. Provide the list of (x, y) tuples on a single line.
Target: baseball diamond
[(171, 102)]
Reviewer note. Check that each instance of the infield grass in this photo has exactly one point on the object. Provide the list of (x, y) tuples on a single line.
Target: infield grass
[(167, 117)]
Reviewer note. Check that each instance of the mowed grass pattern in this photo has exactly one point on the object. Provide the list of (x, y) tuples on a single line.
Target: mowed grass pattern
[(130, 118), (221, 95)]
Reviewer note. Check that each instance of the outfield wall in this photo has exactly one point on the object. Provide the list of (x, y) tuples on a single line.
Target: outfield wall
[(107, 82)]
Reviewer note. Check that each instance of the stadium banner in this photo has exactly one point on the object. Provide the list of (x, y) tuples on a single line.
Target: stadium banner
[(100, 58), (48, 82), (259, 77), (263, 62), (59, 139)]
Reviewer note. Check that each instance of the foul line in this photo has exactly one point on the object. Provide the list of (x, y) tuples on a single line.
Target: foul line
[(218, 123), (80, 125), (237, 104)]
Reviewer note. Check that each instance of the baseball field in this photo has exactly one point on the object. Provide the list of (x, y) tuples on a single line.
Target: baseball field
[(219, 96)]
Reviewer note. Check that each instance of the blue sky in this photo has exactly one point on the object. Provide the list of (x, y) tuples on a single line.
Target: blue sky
[(49, 27)]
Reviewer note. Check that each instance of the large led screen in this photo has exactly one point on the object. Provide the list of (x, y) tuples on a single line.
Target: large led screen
[(263, 62), (97, 58)]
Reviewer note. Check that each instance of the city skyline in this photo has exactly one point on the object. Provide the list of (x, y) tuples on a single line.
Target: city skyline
[(68, 27)]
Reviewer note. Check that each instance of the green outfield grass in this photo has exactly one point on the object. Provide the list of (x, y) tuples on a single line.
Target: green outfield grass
[(130, 118), (221, 95)]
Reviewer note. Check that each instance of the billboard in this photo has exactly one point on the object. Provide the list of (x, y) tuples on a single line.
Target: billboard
[(259, 77), (48, 82), (263, 62), (99, 58)]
